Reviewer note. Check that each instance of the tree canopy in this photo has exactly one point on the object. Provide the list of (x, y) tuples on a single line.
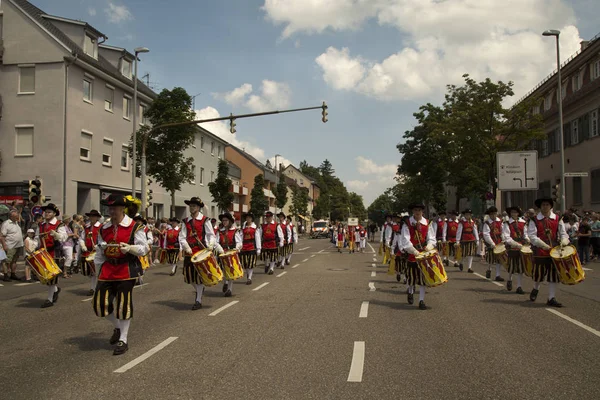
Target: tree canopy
[(258, 201), (219, 189)]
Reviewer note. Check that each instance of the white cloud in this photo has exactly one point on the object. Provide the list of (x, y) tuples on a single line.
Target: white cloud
[(366, 166), (280, 160), (92, 11), (357, 186), (378, 178), (273, 95), (341, 71), (117, 14)]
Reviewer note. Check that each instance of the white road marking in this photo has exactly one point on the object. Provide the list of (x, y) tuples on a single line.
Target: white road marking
[(260, 286), (372, 249), (312, 255), (145, 356), (295, 266), (1, 284), (574, 321), (304, 248), (320, 251), (364, 310), (373, 265), (358, 362), (494, 282), (587, 269), (373, 274), (374, 259), (281, 274), (139, 286), (305, 260), (88, 299), (225, 307), (372, 286), (26, 283)]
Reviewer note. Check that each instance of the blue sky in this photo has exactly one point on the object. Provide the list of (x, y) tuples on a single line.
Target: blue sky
[(373, 61)]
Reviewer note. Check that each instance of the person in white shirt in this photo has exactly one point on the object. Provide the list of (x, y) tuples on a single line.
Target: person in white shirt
[(30, 248), (293, 239), (514, 235), (492, 236), (11, 238), (229, 237)]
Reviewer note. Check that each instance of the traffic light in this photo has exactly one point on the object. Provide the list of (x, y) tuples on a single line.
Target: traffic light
[(148, 193), (35, 190), (232, 124), (556, 192), (324, 112)]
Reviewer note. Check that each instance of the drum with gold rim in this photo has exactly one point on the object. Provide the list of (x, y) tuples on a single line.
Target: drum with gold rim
[(207, 267), (432, 267), (567, 263), (501, 254), (43, 265), (232, 267), (527, 260)]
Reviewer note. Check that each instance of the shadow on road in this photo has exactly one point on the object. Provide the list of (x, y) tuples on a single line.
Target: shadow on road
[(177, 305), (80, 292), (523, 303), (93, 341), (400, 305), (495, 291), (30, 303)]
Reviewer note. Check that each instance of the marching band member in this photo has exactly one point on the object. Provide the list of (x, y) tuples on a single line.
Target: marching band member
[(449, 236), (492, 236), (293, 239), (171, 241), (120, 244), (439, 227), (51, 233), (363, 238), (514, 235), (283, 230), (401, 257), (467, 237), (416, 236), (196, 234), (87, 242), (271, 241), (388, 235), (545, 231), (357, 237), (341, 234), (251, 246), (383, 239), (350, 235), (229, 238)]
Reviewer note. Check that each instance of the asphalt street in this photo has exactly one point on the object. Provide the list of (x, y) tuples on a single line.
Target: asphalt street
[(329, 326)]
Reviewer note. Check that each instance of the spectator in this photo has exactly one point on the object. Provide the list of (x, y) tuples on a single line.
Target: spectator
[(67, 247), (583, 241), (11, 238), (595, 240), (30, 247)]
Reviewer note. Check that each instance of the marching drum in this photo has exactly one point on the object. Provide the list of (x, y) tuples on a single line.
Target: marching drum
[(527, 259), (89, 262), (43, 265), (392, 265), (171, 256), (458, 252), (232, 267), (567, 263), (432, 268), (162, 256), (501, 254), (207, 267)]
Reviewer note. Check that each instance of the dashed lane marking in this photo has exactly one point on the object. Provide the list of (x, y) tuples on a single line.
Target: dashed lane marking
[(305, 260), (225, 307), (364, 310), (372, 249), (260, 286), (574, 321), (372, 287), (281, 274), (145, 356), (587, 269), (358, 362), (373, 274), (494, 282), (304, 248), (318, 252), (312, 255), (296, 266), (373, 265), (26, 283)]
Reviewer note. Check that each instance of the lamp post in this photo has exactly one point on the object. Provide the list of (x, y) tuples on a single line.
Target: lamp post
[(137, 51), (563, 196)]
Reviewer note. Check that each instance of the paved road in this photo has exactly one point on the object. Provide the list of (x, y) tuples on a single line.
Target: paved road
[(301, 337)]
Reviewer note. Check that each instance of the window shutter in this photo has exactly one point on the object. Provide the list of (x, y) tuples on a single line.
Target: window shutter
[(550, 143), (567, 134), (584, 124)]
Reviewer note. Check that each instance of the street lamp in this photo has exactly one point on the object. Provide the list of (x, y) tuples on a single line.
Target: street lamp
[(556, 34), (137, 51)]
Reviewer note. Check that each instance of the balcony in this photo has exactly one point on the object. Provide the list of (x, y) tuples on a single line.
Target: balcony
[(236, 188)]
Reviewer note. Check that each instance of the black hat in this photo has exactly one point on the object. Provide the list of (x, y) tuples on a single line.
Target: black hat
[(416, 205), (453, 212), (289, 217), (114, 200), (467, 211), (226, 215), (538, 202), (492, 209), (174, 219), (213, 220), (248, 214), (389, 215), (281, 214), (94, 213), (51, 207), (516, 208), (442, 212), (397, 215), (194, 200), (268, 214)]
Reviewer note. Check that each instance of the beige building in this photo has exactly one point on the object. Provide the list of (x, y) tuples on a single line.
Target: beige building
[(305, 182)]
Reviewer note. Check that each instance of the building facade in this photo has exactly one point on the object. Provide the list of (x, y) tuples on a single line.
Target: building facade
[(304, 182)]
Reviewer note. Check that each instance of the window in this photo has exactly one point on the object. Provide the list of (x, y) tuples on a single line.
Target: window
[(212, 148), (577, 80), (212, 176), (594, 123), (219, 151), (85, 150), (87, 90), (107, 150), (193, 182), (126, 68), (90, 46), (574, 132), (126, 107), (595, 70), (202, 176), (125, 157), (595, 182), (201, 142), (548, 102), (109, 98), (143, 119), (26, 80), (24, 141), (577, 191), (545, 151)]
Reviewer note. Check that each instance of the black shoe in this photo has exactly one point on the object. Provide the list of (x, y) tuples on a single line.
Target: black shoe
[(554, 303), (281, 266), (270, 272), (91, 292), (469, 270), (460, 266), (225, 287), (422, 305), (488, 274), (445, 262), (411, 298), (197, 305), (55, 295), (228, 293), (287, 262), (509, 285), (47, 304), (519, 290), (398, 278), (266, 269), (499, 279), (115, 336), (121, 348), (533, 294), (249, 282), (6, 278), (14, 277)]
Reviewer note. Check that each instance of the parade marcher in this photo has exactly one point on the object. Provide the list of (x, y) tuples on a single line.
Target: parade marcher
[(270, 242), (149, 239), (51, 235), (30, 246), (215, 225), (362, 234), (87, 241), (388, 236), (229, 238), (292, 241), (285, 235), (401, 256), (492, 235), (120, 244), (350, 238), (416, 236), (196, 233), (171, 241), (341, 235), (357, 230), (439, 226), (449, 236), (467, 237), (251, 246), (545, 231), (514, 235)]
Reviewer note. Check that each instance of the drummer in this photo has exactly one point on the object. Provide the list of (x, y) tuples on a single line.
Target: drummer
[(449, 236), (171, 243), (87, 241), (251, 246), (229, 238), (514, 235), (149, 239), (285, 235), (467, 237), (439, 229), (492, 235), (293, 239), (196, 233), (271, 241), (546, 230), (416, 236), (401, 257)]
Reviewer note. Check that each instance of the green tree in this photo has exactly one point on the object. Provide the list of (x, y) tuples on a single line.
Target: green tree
[(165, 159), (281, 193), (299, 201), (219, 189), (381, 206), (357, 206), (258, 201)]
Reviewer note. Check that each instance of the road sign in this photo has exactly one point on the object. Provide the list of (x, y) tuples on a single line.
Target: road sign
[(352, 221), (36, 210), (517, 170), (576, 174)]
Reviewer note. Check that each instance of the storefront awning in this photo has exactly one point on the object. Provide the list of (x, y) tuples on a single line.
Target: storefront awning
[(302, 217)]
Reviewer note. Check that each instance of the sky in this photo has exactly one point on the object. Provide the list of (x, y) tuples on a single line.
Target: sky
[(374, 62)]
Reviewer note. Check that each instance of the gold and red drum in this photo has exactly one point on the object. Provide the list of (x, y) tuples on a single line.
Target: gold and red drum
[(567, 263), (232, 267), (501, 254), (206, 265), (527, 260), (432, 267), (89, 261), (43, 265)]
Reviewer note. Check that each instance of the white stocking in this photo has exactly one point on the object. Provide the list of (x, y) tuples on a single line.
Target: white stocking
[(421, 293), (51, 290), (519, 278), (115, 321), (497, 269), (469, 260), (124, 323), (551, 290), (249, 272), (94, 282), (199, 291), (536, 285)]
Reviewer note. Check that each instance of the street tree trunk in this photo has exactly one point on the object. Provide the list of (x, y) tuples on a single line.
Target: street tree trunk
[(173, 204)]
